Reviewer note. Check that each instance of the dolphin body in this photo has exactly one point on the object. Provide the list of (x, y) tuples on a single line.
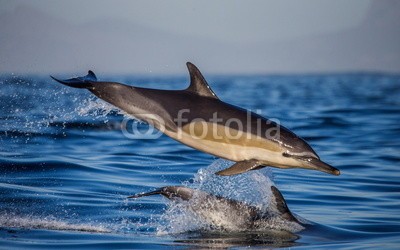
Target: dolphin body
[(228, 214), (198, 118)]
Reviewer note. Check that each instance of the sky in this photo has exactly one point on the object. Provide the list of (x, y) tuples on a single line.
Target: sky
[(227, 20), (229, 36)]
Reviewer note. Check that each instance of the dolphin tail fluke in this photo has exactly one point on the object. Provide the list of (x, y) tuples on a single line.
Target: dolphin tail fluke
[(79, 82), (240, 167), (281, 205)]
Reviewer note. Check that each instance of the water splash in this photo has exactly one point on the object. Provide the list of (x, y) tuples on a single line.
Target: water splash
[(253, 188), (49, 223), (96, 107)]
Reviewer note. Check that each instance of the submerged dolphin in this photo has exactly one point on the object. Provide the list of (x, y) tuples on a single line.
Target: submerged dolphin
[(228, 214), (198, 118)]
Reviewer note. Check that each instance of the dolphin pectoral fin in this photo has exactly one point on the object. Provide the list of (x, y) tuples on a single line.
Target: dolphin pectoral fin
[(198, 85), (240, 167), (79, 82), (281, 205)]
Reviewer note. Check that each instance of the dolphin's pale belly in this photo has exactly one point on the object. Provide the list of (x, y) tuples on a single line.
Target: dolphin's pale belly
[(228, 143)]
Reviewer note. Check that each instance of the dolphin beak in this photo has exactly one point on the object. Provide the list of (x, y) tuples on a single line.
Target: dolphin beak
[(316, 164)]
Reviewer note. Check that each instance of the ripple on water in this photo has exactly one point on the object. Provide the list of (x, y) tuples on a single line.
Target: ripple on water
[(66, 165)]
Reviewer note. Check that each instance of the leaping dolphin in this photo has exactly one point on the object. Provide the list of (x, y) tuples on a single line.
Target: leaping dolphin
[(228, 214), (198, 118)]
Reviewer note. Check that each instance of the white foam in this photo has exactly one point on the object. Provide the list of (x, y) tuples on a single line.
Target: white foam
[(48, 223)]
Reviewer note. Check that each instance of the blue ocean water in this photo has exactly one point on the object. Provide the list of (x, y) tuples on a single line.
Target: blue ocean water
[(67, 166)]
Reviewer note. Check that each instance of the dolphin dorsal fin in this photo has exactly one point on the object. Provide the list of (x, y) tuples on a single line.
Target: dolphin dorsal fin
[(281, 205), (198, 84)]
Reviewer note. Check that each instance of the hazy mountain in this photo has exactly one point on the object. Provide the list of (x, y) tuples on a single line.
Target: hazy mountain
[(373, 45), (32, 41)]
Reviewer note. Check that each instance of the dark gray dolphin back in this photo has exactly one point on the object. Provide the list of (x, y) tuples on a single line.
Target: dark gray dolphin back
[(136, 101)]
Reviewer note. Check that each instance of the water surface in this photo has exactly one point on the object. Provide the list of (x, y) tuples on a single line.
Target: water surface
[(66, 167)]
